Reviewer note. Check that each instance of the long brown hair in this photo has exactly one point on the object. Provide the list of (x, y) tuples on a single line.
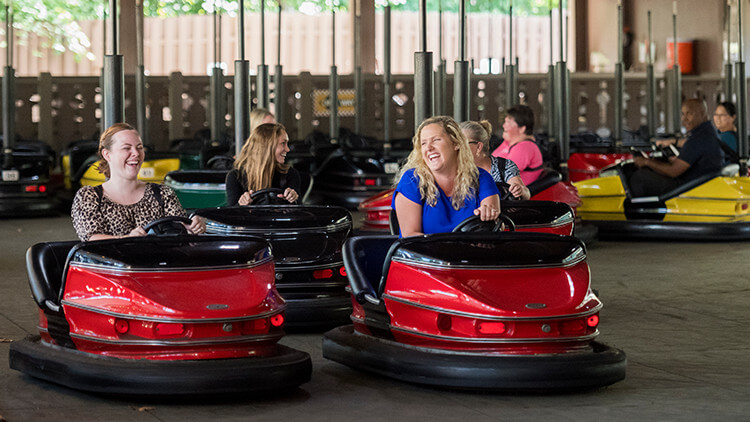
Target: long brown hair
[(467, 178), (257, 160), (105, 142)]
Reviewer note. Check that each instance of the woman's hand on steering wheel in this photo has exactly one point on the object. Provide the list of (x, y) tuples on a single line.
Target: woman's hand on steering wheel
[(290, 195), (487, 212), (197, 225), (138, 231), (519, 191), (246, 198)]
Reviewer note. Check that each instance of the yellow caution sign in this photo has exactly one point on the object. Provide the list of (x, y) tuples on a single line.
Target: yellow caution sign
[(322, 102)]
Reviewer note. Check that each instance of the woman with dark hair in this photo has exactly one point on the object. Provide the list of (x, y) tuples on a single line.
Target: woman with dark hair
[(502, 170), (725, 118), (123, 204), (260, 165), (439, 185), (518, 143)]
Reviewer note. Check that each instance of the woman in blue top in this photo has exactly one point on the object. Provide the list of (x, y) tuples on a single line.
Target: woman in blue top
[(440, 186)]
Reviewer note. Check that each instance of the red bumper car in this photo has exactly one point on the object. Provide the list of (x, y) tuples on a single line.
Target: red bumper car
[(549, 187), (158, 315), (510, 311)]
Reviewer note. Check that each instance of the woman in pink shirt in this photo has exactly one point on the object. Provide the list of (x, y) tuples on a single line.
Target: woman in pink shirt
[(518, 143)]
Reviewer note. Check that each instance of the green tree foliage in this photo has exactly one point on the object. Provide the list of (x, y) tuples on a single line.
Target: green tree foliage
[(56, 20)]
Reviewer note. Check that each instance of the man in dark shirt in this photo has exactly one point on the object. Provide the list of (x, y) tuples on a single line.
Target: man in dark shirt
[(700, 154)]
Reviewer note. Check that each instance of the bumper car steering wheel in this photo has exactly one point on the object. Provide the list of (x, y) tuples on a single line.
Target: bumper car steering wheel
[(475, 224), (268, 196), (167, 225), (505, 194)]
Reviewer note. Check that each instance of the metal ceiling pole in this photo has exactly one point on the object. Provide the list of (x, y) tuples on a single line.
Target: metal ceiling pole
[(461, 71), (358, 83), (140, 75), (262, 78), (387, 78), (333, 85), (441, 80), (650, 86), (278, 78), (511, 69), (114, 79), (728, 74), (241, 86), (549, 101), (562, 105), (676, 76), (619, 82), (739, 70), (217, 94), (9, 100), (423, 88)]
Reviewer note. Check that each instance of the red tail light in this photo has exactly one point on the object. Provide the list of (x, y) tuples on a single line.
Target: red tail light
[(319, 274), (592, 321), (166, 329), (342, 271), (42, 188), (255, 326), (574, 327), (444, 322), (370, 182), (121, 326), (491, 327), (277, 320), (30, 188)]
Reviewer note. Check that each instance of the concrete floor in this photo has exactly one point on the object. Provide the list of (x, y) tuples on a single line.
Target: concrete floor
[(679, 310)]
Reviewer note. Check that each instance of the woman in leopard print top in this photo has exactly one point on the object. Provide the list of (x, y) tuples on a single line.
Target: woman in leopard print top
[(123, 204)]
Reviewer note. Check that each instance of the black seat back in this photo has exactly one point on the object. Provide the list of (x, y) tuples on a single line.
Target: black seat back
[(364, 258), (393, 222), (545, 180), (45, 265)]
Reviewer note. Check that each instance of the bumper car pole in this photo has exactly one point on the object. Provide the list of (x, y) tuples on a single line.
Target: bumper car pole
[(461, 70), (728, 70), (511, 69), (241, 86), (441, 84), (619, 82), (113, 77), (739, 68), (9, 77), (262, 78), (677, 76), (333, 86), (217, 105), (387, 79), (358, 89), (650, 86), (140, 76), (423, 89), (549, 101), (562, 107), (278, 76)]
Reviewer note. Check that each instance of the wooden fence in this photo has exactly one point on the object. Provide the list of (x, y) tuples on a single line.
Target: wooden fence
[(185, 44), (59, 110)]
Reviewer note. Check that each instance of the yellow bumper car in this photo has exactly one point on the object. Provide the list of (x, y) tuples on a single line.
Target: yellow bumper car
[(712, 207)]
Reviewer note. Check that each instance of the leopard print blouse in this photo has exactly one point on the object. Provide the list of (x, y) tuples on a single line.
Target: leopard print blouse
[(90, 216)]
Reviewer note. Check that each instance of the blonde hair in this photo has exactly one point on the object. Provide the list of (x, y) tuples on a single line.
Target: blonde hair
[(257, 116), (257, 159), (467, 177), (479, 132), (105, 142)]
